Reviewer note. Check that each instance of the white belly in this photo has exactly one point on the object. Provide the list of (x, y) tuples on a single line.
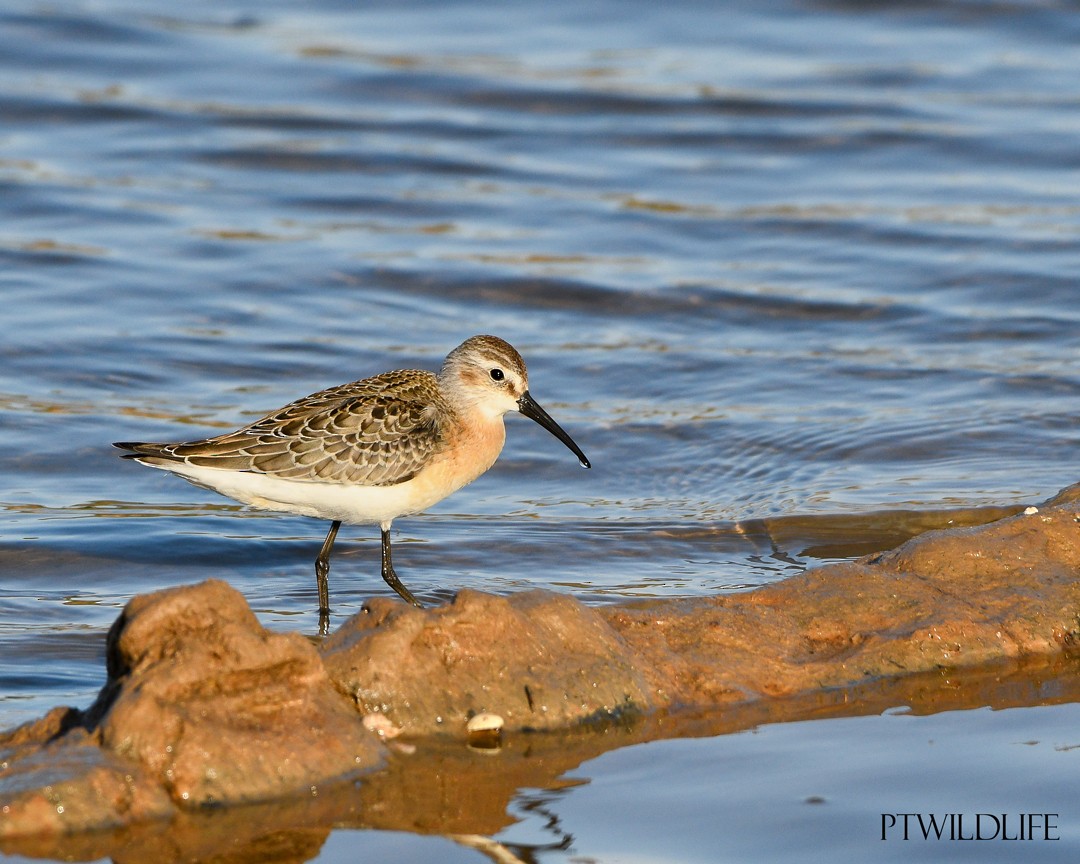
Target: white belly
[(351, 504)]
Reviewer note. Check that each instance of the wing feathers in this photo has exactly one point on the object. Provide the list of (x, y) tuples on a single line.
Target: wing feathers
[(376, 432)]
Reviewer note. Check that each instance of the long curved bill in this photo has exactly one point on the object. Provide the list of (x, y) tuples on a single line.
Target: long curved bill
[(531, 409)]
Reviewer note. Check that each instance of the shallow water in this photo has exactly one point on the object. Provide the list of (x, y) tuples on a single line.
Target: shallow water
[(799, 279), (764, 795)]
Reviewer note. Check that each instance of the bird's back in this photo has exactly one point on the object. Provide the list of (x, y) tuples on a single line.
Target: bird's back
[(377, 431)]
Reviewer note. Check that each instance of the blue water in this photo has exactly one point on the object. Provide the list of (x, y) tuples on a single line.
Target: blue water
[(817, 791), (796, 276)]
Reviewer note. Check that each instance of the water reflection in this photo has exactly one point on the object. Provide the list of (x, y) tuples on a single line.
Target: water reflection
[(517, 803)]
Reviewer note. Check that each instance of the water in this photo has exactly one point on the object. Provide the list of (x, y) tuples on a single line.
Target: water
[(798, 277), (764, 795)]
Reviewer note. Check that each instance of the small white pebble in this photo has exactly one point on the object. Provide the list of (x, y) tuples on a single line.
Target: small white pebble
[(485, 732), (1031, 511), (381, 725), (484, 722)]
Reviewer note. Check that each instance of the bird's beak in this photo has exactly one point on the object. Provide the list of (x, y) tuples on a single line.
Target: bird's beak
[(531, 409)]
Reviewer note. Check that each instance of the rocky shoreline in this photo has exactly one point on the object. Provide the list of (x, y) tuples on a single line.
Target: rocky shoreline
[(205, 709)]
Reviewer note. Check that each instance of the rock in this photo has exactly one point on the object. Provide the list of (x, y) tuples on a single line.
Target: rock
[(220, 709), (69, 785), (202, 706), (946, 599), (538, 659)]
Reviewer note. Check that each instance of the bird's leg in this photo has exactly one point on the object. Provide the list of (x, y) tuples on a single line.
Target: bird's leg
[(322, 568), (390, 576)]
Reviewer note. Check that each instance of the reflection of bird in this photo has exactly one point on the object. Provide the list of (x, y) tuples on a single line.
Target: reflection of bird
[(369, 451)]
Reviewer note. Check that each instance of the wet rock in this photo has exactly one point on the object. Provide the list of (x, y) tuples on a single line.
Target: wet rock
[(202, 707), (220, 709), (945, 599), (538, 659), (70, 784)]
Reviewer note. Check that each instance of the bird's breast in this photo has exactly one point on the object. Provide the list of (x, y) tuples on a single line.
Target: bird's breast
[(471, 449)]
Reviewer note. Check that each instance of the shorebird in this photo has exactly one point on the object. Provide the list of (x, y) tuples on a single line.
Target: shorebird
[(369, 451)]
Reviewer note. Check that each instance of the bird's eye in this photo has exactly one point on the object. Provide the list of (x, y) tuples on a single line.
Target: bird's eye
[(497, 374)]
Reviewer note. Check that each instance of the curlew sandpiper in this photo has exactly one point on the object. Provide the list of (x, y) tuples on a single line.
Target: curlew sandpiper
[(369, 451)]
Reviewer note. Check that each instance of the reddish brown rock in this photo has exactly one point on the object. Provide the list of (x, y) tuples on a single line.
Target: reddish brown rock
[(53, 782), (220, 709), (203, 706), (539, 660), (946, 599)]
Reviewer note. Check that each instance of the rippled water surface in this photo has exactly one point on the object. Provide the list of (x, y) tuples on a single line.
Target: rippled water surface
[(798, 277)]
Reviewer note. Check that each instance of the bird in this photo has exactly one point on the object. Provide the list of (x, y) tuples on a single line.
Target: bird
[(367, 452)]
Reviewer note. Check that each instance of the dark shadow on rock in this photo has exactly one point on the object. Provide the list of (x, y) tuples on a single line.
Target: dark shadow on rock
[(205, 708)]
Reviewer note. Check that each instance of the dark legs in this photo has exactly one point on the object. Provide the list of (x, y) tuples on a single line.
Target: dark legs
[(390, 576), (322, 569)]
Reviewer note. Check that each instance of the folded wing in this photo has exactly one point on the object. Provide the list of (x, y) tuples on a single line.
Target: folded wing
[(376, 432)]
